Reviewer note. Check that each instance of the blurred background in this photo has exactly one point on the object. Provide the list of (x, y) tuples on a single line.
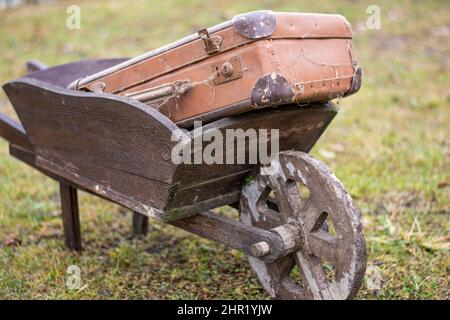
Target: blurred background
[(389, 145)]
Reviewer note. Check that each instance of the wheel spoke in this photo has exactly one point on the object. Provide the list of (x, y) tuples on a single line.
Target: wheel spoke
[(290, 290), (271, 217), (288, 199), (313, 276), (271, 275), (310, 217), (321, 244)]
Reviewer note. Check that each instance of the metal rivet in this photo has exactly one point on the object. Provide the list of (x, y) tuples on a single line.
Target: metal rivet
[(227, 69)]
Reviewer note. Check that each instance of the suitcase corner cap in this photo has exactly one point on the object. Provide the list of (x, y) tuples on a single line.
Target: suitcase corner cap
[(255, 24), (356, 82), (271, 89)]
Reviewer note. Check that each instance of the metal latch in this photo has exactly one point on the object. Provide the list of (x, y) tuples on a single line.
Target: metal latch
[(212, 43), (227, 70)]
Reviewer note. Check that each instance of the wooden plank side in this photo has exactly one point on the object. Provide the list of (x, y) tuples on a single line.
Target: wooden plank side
[(299, 128), (208, 195), (83, 184), (108, 144), (137, 193)]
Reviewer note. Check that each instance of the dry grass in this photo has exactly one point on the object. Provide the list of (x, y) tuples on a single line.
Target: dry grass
[(389, 145)]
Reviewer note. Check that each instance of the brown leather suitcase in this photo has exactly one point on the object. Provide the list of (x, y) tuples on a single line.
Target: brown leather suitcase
[(256, 60)]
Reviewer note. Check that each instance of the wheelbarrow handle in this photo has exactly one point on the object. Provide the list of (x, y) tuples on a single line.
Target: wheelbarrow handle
[(13, 132), (10, 129), (35, 65)]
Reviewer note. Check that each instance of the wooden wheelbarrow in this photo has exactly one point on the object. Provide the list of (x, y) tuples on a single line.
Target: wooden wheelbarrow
[(298, 217)]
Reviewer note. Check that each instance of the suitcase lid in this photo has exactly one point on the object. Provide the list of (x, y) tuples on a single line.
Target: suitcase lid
[(240, 30)]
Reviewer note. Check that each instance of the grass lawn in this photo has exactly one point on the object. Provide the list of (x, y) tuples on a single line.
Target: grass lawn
[(389, 145)]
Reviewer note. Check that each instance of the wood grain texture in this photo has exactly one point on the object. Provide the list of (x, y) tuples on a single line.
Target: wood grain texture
[(113, 146), (326, 206), (232, 233), (120, 149), (70, 216), (299, 129), (30, 158)]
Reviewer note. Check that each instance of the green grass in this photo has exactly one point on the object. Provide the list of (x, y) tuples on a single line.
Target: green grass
[(389, 145)]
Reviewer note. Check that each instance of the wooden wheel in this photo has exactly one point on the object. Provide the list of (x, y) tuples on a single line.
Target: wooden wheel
[(329, 255)]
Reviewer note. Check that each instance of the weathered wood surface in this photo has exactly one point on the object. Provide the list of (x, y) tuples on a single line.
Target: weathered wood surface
[(209, 225), (120, 149), (112, 146), (29, 158), (13, 132), (299, 129), (35, 65), (232, 233), (70, 216), (328, 224)]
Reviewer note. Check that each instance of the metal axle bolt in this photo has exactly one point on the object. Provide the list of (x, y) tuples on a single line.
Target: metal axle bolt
[(260, 249)]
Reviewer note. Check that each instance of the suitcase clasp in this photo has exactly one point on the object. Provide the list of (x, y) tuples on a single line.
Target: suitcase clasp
[(212, 43)]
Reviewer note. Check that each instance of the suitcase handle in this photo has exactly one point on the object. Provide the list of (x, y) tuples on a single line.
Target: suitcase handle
[(175, 89)]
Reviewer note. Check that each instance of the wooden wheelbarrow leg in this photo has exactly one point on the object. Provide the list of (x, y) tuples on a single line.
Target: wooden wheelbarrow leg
[(207, 224), (35, 65), (69, 201), (15, 134), (20, 147), (70, 216), (68, 195), (140, 224)]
